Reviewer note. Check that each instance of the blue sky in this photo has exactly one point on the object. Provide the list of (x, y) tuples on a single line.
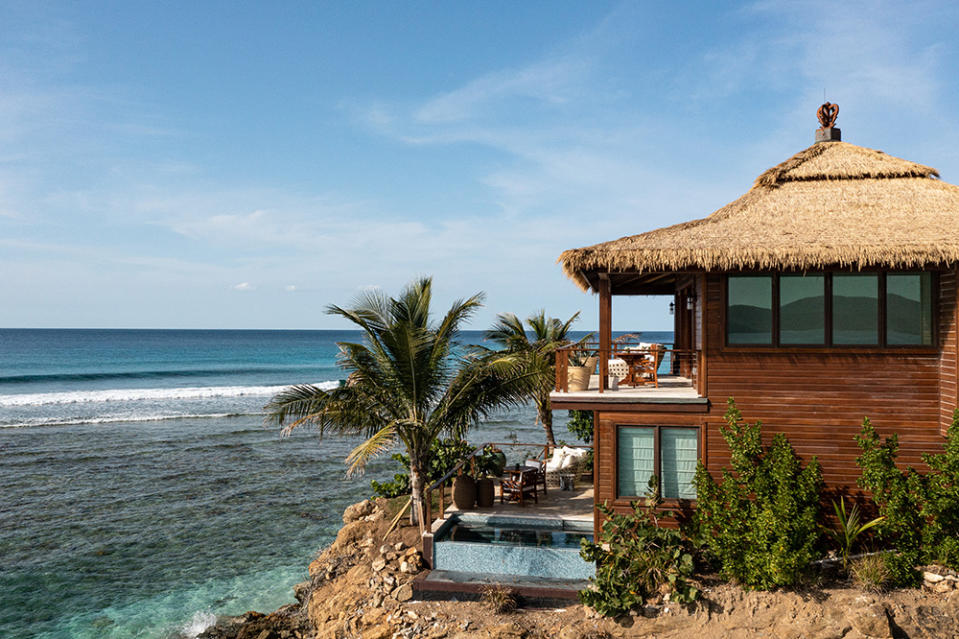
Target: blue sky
[(241, 165)]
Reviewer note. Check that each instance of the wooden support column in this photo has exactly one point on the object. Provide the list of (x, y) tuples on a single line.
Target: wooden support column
[(605, 329)]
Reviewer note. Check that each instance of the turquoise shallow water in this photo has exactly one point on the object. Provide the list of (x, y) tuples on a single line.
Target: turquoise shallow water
[(141, 493)]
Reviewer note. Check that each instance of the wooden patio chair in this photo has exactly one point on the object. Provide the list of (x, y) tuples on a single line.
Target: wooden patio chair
[(539, 471), (516, 488)]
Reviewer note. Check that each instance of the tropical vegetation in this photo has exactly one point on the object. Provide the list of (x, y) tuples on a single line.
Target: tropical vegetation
[(760, 521), (920, 510), (637, 559), (537, 348), (409, 382)]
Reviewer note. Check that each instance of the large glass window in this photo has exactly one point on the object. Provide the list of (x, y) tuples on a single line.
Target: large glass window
[(909, 308), (749, 314), (679, 452), (637, 459), (802, 309), (884, 309), (642, 451), (855, 308)]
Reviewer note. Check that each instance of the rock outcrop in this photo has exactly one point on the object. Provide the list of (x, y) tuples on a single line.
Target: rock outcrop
[(360, 587)]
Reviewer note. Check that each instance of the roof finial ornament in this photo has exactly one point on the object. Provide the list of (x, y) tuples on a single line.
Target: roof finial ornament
[(827, 115)]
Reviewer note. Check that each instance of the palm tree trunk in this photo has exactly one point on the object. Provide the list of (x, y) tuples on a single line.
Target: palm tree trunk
[(417, 484), (545, 412)]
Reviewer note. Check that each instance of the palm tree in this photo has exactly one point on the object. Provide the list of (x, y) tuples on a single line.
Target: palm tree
[(406, 382), (539, 353)]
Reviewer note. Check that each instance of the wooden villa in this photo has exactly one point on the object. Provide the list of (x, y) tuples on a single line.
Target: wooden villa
[(825, 294)]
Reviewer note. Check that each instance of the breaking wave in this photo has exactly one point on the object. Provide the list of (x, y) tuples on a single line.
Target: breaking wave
[(146, 394)]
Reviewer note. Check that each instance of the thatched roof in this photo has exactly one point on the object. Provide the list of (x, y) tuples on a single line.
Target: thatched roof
[(833, 204)]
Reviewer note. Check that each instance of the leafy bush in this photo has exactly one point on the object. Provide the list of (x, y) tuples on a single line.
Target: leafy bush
[(581, 424), (760, 521), (941, 506), (870, 572), (444, 455), (921, 510), (898, 497), (637, 560)]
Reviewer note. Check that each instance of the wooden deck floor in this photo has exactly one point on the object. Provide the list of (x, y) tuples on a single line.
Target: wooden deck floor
[(560, 504), (672, 389)]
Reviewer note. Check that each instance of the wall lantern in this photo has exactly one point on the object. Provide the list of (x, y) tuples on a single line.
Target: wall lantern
[(691, 300), (672, 308)]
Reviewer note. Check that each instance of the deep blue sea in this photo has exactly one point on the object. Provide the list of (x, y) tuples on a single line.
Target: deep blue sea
[(141, 493)]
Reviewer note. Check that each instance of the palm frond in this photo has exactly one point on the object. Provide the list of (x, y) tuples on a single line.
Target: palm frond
[(296, 403), (380, 442)]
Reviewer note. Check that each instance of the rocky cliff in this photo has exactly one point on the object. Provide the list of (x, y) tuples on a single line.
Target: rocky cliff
[(360, 588)]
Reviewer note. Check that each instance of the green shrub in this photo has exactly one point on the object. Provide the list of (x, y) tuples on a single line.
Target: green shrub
[(898, 495), (759, 522), (921, 510), (581, 424), (636, 560), (444, 455), (941, 506)]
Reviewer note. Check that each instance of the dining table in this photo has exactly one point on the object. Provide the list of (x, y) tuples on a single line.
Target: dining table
[(640, 363)]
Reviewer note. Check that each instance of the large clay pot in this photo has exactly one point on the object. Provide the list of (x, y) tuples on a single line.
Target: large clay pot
[(464, 492), (578, 376), (484, 492)]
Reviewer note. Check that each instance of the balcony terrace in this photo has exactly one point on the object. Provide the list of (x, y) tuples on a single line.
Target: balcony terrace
[(646, 374)]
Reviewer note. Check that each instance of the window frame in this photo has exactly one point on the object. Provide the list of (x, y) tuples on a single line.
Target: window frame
[(657, 458), (828, 344)]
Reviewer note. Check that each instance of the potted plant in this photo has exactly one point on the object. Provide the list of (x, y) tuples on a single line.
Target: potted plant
[(581, 366), (464, 491), (490, 463)]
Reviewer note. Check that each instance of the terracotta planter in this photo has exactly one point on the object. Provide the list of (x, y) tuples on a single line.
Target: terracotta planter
[(464, 492), (578, 376), (484, 492)]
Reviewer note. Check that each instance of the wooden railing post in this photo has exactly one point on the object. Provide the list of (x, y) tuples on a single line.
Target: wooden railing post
[(605, 328), (428, 508), (562, 370), (443, 500)]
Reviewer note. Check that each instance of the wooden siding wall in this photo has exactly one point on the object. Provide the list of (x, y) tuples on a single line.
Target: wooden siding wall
[(948, 360), (817, 399), (820, 399)]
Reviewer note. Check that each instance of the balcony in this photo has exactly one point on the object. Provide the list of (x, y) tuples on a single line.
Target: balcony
[(632, 373)]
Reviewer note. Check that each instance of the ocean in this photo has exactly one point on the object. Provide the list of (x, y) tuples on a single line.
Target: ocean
[(141, 493)]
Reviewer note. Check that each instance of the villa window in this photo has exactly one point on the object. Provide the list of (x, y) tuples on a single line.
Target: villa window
[(870, 309), (909, 308), (802, 314), (855, 308), (669, 453), (749, 314)]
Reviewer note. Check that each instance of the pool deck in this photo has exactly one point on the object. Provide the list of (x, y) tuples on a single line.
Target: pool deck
[(573, 505), (560, 508)]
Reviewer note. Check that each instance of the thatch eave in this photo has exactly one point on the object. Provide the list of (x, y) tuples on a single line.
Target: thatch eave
[(832, 205)]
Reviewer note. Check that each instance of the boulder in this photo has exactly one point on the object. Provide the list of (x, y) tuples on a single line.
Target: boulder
[(872, 621), (358, 511)]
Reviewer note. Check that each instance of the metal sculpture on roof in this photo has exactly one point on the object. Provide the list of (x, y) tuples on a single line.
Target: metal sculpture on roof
[(827, 115)]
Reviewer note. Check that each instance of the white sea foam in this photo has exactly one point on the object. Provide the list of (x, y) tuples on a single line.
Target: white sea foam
[(141, 394), (200, 622), (113, 419)]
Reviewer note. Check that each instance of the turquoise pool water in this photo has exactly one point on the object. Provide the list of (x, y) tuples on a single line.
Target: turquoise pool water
[(525, 547)]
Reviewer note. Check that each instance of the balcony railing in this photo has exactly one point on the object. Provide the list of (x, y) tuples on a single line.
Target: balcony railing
[(631, 364)]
